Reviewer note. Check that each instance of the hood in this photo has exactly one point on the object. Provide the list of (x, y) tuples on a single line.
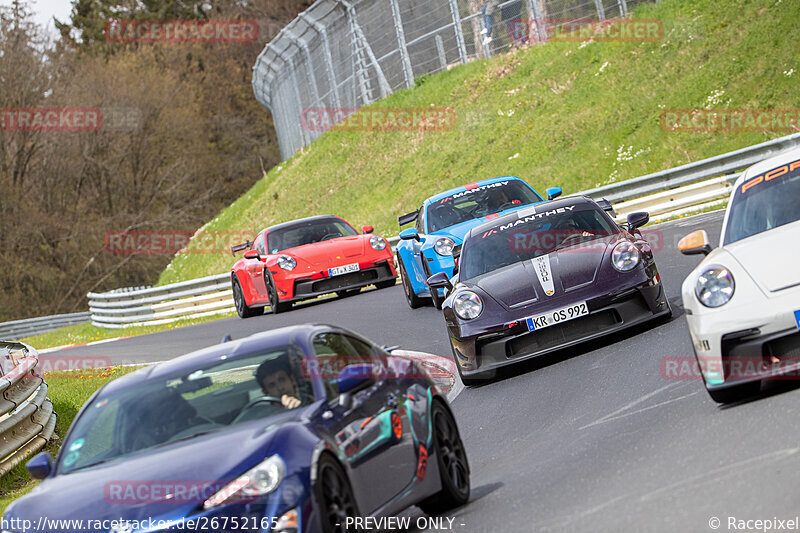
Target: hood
[(770, 258), (556, 273), (331, 252), (204, 464)]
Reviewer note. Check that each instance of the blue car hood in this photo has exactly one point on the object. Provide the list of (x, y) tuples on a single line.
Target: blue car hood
[(205, 464)]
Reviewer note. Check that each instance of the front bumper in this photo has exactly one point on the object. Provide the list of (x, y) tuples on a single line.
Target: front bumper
[(311, 287), (747, 342), (508, 344)]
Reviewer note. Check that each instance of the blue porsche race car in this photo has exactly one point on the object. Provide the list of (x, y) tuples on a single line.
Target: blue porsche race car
[(443, 221), (299, 429)]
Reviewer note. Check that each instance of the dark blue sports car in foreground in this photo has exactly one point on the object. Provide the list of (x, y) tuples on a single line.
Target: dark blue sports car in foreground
[(290, 430)]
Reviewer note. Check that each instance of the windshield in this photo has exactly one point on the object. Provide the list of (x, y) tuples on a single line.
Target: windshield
[(761, 204), (532, 236), (307, 233), (161, 411), (478, 202)]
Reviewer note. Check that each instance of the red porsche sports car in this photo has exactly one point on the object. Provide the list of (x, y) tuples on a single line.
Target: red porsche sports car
[(305, 258)]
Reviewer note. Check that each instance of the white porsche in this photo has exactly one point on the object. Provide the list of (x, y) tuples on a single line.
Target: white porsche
[(742, 301)]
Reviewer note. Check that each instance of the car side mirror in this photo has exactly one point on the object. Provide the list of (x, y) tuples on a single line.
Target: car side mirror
[(440, 281), (40, 466), (695, 243), (351, 379), (367, 229), (409, 234), (638, 219), (456, 258), (252, 254), (553, 192)]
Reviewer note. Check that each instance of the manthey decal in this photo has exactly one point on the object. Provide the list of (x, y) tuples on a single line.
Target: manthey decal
[(525, 216), (545, 274), (471, 188)]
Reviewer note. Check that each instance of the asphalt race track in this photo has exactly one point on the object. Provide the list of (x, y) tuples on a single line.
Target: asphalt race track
[(591, 440)]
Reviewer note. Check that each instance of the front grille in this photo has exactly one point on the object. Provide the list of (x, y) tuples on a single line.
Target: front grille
[(787, 347), (345, 280), (561, 333)]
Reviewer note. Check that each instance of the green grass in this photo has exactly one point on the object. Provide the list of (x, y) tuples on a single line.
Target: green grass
[(82, 333), (575, 123), (68, 392)]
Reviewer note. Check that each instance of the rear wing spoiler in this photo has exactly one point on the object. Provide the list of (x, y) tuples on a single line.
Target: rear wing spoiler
[(239, 247), (407, 219), (605, 205)]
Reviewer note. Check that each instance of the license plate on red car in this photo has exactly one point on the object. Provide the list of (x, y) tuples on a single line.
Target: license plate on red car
[(344, 269), (559, 315)]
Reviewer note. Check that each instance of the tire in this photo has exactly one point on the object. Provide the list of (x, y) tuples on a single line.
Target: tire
[(347, 293), (413, 300), (453, 464), (241, 304), (334, 495), (733, 394), (386, 284), (275, 305)]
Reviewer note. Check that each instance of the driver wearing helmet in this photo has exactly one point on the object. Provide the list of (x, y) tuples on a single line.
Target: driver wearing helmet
[(496, 199)]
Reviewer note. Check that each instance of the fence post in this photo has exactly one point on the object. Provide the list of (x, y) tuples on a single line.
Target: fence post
[(361, 45), (326, 48), (537, 15), (440, 50), (408, 72), (462, 48), (623, 8), (601, 12)]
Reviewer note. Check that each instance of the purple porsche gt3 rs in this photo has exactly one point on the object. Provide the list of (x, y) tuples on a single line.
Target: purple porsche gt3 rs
[(545, 278)]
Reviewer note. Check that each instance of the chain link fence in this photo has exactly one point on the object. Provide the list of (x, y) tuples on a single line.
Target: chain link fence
[(340, 55)]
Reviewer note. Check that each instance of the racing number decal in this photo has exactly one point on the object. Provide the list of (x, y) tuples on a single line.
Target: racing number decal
[(542, 266)]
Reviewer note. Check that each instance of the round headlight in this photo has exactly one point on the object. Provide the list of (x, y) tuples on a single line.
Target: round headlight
[(625, 256), (444, 246), (714, 287), (286, 262), (377, 242), (468, 305)]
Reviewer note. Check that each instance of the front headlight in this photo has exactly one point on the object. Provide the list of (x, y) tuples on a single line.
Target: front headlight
[(444, 246), (625, 256), (286, 262), (715, 286), (262, 479), (377, 243), (468, 305)]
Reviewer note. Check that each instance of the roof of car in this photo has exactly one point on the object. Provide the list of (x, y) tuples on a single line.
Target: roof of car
[(236, 348), (532, 209), (468, 186), (291, 223)]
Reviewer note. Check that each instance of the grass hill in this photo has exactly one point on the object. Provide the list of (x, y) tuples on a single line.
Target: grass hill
[(571, 114)]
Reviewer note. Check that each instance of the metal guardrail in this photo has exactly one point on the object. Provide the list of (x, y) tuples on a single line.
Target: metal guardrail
[(27, 420), (16, 329), (693, 172)]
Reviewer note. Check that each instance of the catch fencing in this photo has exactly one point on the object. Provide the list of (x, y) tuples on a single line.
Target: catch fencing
[(27, 420), (341, 55)]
